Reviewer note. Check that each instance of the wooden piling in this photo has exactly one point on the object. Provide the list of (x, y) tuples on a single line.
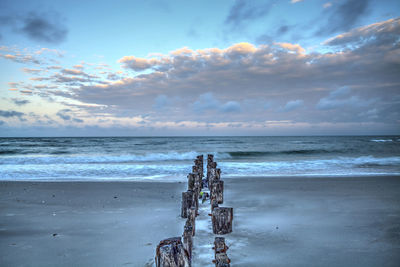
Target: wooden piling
[(217, 190), (214, 203), (221, 258), (219, 245), (212, 175), (210, 159), (187, 202), (200, 165), (222, 220), (218, 174), (191, 180), (191, 219), (171, 253), (188, 239)]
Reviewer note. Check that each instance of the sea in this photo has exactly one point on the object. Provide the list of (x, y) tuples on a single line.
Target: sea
[(170, 159)]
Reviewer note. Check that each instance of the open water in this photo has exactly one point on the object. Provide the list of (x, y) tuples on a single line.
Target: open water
[(171, 158)]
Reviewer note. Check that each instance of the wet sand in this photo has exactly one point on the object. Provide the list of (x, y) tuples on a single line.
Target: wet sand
[(277, 222)]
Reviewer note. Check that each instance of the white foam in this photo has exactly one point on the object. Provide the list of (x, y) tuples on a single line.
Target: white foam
[(381, 140)]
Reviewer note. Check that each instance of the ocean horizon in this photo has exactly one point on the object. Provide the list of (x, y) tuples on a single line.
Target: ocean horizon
[(168, 159)]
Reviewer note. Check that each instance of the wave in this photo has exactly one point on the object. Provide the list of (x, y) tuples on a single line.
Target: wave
[(106, 170), (77, 159), (244, 154), (9, 152), (381, 140), (335, 166)]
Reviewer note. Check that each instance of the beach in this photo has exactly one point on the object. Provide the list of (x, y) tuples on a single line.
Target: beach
[(280, 221)]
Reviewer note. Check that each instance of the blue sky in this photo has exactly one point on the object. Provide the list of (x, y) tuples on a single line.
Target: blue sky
[(199, 67)]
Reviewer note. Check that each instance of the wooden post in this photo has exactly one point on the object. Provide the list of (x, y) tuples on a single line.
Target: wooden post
[(191, 220), (218, 174), (219, 245), (222, 220), (221, 258), (187, 202), (188, 239), (191, 180), (213, 174), (200, 160), (210, 159), (171, 253), (195, 200), (214, 203), (217, 191)]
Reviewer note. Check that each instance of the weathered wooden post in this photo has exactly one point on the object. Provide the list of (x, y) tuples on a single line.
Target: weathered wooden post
[(187, 202), (217, 190), (200, 165), (212, 174), (222, 220), (219, 245), (171, 253), (195, 169), (218, 174), (214, 203), (188, 239), (191, 180), (194, 185), (191, 220), (210, 159), (221, 258)]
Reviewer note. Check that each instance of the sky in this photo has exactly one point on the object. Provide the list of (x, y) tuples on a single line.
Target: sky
[(160, 68)]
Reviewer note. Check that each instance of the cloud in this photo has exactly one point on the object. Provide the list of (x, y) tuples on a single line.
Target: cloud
[(232, 84), (19, 58), (244, 11), (40, 57), (293, 104), (20, 102), (161, 102), (207, 102), (341, 98), (32, 71), (295, 1), (343, 17), (231, 106), (138, 64), (77, 120), (292, 47), (72, 72), (63, 114), (385, 32), (44, 28), (11, 113)]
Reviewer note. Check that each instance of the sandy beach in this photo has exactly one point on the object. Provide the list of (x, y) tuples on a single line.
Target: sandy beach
[(277, 222)]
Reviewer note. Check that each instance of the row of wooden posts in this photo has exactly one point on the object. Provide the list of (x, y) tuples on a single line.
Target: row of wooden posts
[(173, 252)]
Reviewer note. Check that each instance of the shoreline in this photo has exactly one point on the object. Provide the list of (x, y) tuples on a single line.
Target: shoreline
[(183, 180), (292, 221)]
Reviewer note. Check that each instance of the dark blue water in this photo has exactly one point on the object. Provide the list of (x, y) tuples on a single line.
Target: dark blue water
[(170, 158)]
